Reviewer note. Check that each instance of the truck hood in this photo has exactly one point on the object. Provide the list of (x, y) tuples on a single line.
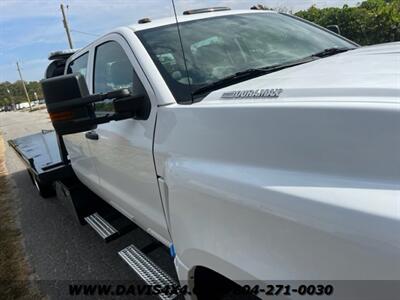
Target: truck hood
[(366, 74)]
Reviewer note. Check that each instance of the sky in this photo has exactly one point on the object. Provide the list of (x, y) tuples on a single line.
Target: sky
[(31, 29)]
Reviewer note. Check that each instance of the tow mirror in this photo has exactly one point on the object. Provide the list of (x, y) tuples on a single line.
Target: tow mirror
[(334, 28), (71, 107)]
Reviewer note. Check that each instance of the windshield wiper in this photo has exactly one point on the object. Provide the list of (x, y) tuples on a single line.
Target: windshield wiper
[(247, 74), (254, 72), (330, 51)]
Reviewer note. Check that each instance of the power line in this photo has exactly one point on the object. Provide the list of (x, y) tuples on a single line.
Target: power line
[(83, 32)]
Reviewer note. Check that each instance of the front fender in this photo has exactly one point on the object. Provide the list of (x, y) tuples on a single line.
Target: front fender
[(313, 198)]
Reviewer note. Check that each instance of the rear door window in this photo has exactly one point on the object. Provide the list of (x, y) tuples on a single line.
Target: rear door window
[(79, 65)]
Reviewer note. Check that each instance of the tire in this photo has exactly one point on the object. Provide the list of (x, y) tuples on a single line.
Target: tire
[(44, 190), (210, 285)]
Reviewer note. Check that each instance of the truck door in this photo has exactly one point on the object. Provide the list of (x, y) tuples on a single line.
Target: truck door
[(122, 150), (76, 144)]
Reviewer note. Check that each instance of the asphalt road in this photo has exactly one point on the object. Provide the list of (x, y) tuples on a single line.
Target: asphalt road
[(57, 247)]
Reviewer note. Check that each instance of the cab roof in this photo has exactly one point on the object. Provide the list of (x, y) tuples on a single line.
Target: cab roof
[(192, 17)]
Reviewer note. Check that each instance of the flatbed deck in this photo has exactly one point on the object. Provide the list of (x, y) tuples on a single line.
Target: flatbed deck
[(41, 154)]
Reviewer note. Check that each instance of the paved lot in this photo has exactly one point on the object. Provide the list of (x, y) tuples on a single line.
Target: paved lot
[(58, 248)]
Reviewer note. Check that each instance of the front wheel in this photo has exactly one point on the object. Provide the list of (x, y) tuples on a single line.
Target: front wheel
[(210, 285)]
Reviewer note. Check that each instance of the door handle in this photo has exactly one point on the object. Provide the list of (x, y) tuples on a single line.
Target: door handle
[(92, 135)]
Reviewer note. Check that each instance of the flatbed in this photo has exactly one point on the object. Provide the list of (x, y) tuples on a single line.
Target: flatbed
[(42, 156)]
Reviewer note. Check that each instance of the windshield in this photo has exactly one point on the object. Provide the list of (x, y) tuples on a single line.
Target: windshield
[(218, 47)]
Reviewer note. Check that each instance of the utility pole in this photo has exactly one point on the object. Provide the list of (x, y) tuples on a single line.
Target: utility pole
[(12, 99), (66, 26), (23, 84)]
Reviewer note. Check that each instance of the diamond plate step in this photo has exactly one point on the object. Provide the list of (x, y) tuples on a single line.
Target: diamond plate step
[(102, 227), (147, 270)]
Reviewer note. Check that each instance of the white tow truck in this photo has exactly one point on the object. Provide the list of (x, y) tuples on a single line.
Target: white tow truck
[(253, 144)]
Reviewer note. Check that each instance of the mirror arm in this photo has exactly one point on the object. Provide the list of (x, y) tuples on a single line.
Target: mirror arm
[(79, 102), (74, 103), (71, 108), (103, 119)]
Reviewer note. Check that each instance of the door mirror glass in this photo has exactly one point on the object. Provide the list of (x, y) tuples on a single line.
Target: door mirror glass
[(334, 28)]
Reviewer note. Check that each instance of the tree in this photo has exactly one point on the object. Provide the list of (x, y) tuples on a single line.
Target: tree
[(371, 22), (16, 92)]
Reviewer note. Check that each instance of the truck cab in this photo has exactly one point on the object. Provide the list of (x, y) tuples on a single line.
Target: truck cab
[(116, 160), (254, 159)]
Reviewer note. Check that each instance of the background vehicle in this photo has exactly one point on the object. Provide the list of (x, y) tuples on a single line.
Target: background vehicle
[(246, 149)]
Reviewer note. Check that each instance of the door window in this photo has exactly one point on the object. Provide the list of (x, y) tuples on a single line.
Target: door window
[(113, 71), (79, 65)]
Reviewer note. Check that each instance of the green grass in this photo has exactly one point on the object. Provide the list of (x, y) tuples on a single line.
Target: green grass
[(14, 270)]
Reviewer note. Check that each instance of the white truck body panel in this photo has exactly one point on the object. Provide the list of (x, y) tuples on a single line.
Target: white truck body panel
[(289, 200), (295, 185), (304, 186), (77, 145), (119, 166)]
